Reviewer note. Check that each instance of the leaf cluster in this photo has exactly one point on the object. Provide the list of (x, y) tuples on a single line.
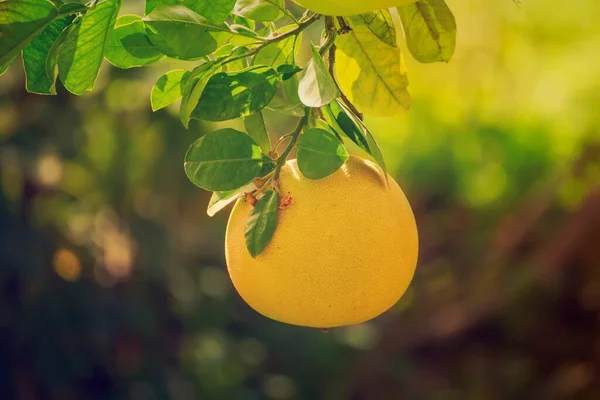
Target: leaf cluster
[(243, 61)]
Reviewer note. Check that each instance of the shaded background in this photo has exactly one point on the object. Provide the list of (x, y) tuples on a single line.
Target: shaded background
[(112, 278)]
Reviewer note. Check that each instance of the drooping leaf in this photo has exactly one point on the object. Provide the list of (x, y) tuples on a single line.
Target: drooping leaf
[(371, 73), (316, 87), (346, 124), (129, 45), (220, 200), (380, 23), (51, 64), (168, 88), (82, 52), (193, 87), (320, 153), (230, 95), (180, 33), (260, 10), (430, 30), (262, 223), (35, 55), (20, 22), (223, 160), (71, 8), (216, 11), (255, 127)]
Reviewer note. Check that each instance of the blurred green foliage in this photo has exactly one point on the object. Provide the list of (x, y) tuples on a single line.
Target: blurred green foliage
[(113, 281)]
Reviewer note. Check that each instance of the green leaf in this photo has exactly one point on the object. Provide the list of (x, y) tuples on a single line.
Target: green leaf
[(180, 33), (260, 10), (20, 22), (220, 200), (345, 123), (168, 88), (230, 95), (255, 126), (193, 87), (223, 160), (278, 53), (320, 153), (82, 52), (129, 45), (317, 87), (430, 30), (287, 71), (72, 8), (380, 23), (51, 64), (35, 55), (4, 67), (262, 223), (371, 73), (216, 11)]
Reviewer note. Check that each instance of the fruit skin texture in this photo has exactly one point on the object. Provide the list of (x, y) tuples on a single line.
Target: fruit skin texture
[(349, 7), (344, 252)]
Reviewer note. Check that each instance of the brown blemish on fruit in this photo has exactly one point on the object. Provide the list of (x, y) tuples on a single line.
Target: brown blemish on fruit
[(285, 202)]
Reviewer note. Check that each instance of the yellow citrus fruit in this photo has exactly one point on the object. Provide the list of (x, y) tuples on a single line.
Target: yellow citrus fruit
[(349, 7), (344, 252)]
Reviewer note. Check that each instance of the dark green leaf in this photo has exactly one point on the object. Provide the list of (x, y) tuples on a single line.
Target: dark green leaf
[(345, 123), (430, 30), (262, 223), (287, 71), (35, 55), (260, 10), (168, 88), (129, 45), (320, 153), (380, 23), (230, 95), (220, 200), (72, 8), (82, 52), (20, 22), (180, 33), (223, 160), (193, 87), (255, 126), (317, 87)]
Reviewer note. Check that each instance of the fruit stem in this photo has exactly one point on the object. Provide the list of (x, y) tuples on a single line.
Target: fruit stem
[(294, 138)]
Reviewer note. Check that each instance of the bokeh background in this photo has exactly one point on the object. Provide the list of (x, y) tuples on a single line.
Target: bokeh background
[(112, 277)]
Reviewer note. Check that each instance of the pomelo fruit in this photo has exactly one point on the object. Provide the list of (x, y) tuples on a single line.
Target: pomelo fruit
[(343, 253)]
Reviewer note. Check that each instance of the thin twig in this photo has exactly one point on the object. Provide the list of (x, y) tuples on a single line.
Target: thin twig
[(283, 157), (345, 99)]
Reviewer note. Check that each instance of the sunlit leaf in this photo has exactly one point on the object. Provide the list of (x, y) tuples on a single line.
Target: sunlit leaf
[(35, 55), (223, 160), (278, 53), (255, 127), (82, 52), (168, 88), (430, 30), (346, 124), (380, 23), (215, 11), (316, 87), (20, 22), (260, 10), (193, 87), (261, 223), (320, 153), (230, 95), (220, 200), (371, 73), (129, 45)]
